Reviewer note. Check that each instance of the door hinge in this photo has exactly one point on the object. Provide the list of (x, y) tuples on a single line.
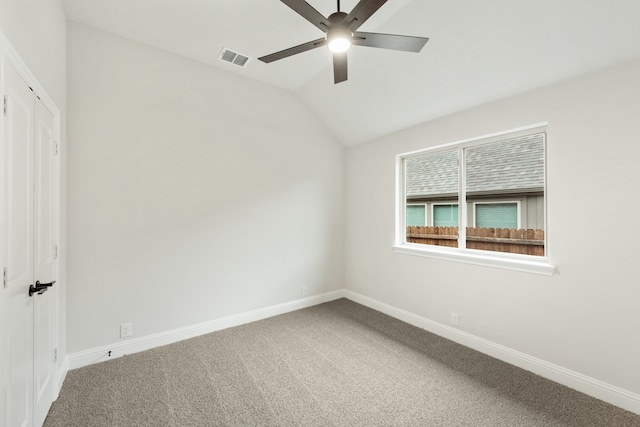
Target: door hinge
[(55, 148), (4, 277), (55, 355), (5, 104), (55, 251)]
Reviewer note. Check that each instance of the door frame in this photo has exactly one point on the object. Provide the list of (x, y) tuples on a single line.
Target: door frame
[(9, 55)]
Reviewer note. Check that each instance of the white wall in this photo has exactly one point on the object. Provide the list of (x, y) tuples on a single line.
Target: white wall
[(585, 317), (37, 30), (194, 193)]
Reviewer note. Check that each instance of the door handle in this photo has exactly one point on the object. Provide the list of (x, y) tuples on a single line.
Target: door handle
[(45, 285), (40, 288)]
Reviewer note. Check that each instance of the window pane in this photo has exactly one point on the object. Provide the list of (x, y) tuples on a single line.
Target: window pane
[(508, 169), (415, 215), (433, 178), (497, 215), (445, 215)]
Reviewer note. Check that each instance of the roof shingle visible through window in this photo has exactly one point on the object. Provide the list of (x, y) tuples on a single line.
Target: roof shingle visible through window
[(513, 164)]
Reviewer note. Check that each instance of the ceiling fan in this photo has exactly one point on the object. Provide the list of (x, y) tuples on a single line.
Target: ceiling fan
[(341, 34)]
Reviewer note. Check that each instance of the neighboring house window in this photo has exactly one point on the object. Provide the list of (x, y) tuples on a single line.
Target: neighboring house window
[(416, 215), (486, 194), (445, 215), (497, 215)]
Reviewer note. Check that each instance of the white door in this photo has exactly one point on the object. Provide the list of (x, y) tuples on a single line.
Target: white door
[(17, 305), (44, 261), (27, 218)]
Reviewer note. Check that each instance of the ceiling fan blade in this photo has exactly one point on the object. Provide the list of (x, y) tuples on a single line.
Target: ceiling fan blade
[(307, 11), (389, 41), (293, 50), (339, 67), (363, 11)]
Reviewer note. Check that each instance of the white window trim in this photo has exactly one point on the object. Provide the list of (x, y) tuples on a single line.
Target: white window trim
[(426, 216), (524, 263), (499, 202)]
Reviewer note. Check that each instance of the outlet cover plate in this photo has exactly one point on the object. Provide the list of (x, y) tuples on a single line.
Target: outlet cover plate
[(125, 330), (455, 320)]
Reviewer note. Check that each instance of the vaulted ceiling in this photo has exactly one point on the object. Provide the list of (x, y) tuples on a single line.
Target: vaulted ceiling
[(478, 51)]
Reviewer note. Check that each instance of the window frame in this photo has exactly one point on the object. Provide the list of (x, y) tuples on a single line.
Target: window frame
[(509, 261)]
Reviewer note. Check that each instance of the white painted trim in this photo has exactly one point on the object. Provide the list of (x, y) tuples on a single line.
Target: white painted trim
[(515, 262), (401, 202), (463, 203), (12, 56), (525, 263), (585, 384), (593, 387), (8, 55), (100, 354), (61, 374), (479, 140)]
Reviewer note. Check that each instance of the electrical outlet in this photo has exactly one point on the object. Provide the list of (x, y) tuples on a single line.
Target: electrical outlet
[(305, 290), (455, 320), (126, 330)]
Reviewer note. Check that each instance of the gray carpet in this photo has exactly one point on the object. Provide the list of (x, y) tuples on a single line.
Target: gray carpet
[(335, 364)]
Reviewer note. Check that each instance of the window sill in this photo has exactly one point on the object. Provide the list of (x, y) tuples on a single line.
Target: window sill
[(538, 265)]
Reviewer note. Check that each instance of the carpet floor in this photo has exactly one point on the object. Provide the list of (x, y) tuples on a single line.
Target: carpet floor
[(335, 364)]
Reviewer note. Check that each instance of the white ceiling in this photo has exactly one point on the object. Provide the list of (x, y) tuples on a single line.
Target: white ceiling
[(478, 51)]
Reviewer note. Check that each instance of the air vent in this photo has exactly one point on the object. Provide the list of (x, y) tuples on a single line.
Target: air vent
[(228, 55)]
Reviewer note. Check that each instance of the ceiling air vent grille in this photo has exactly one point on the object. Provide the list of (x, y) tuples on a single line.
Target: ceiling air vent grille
[(228, 55)]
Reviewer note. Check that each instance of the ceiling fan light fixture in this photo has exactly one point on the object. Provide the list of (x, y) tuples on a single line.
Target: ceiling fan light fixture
[(342, 31), (339, 40)]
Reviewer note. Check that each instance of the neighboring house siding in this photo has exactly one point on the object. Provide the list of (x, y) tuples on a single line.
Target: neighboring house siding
[(535, 212), (531, 210)]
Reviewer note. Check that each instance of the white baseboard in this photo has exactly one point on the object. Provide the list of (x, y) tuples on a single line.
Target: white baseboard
[(100, 354), (587, 385), (590, 386), (61, 374)]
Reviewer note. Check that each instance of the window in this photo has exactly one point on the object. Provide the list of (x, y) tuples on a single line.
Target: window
[(480, 200), (497, 215), (445, 215), (416, 215)]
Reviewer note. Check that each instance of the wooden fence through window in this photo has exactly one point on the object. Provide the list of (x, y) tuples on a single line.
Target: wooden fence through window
[(510, 240)]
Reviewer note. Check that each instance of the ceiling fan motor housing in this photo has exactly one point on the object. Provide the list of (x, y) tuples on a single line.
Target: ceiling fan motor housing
[(338, 36), (337, 18)]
